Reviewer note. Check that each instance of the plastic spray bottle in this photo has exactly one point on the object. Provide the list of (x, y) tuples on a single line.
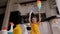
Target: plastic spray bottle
[(4, 30), (11, 29)]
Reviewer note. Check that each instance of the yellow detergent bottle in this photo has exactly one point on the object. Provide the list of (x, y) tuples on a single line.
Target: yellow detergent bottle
[(17, 29)]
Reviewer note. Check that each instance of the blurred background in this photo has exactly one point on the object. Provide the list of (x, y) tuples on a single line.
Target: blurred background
[(19, 13)]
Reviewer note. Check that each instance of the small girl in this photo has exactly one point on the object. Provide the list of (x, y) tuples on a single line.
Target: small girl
[(34, 26)]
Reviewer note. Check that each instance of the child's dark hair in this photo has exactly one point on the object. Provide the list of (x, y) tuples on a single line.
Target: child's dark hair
[(34, 16)]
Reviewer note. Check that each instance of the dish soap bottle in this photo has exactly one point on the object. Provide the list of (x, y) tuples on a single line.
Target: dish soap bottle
[(17, 29)]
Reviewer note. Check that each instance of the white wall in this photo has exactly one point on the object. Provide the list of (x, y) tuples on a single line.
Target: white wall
[(45, 28), (50, 11), (58, 4), (55, 24)]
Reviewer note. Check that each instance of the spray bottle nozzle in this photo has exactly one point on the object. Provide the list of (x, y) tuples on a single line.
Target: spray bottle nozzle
[(11, 23)]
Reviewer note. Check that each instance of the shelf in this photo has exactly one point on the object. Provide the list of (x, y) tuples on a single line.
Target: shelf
[(49, 18)]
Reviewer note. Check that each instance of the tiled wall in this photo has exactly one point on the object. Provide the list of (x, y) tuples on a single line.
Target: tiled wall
[(44, 9), (26, 9)]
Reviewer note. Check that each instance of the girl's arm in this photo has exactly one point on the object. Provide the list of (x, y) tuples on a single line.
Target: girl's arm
[(30, 17), (39, 17), (39, 23)]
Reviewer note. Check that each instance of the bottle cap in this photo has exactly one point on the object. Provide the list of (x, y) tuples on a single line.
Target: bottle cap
[(4, 28)]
